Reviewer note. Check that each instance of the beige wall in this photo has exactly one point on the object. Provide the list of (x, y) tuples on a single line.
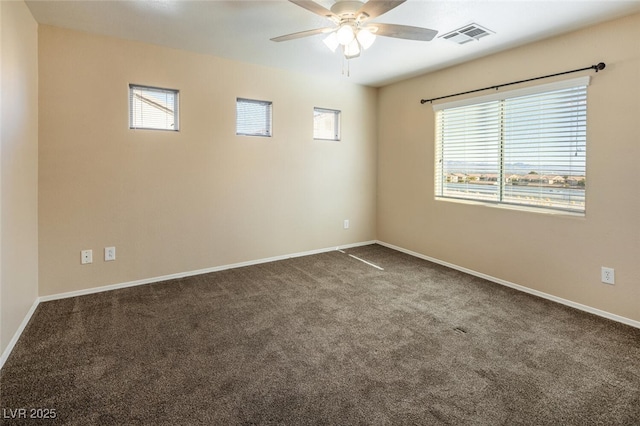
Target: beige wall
[(175, 202), (557, 255), (18, 166)]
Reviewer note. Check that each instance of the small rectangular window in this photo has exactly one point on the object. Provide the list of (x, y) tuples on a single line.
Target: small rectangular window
[(153, 108), (326, 124), (253, 118)]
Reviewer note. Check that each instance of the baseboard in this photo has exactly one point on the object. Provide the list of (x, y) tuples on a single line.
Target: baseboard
[(195, 272), (524, 289), (18, 333), (27, 318)]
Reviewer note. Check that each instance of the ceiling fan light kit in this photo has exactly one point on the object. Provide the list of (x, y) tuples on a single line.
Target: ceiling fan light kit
[(345, 34), (352, 31), (353, 41), (366, 37), (332, 41)]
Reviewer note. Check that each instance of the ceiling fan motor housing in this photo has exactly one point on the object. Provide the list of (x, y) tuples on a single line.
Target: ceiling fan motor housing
[(347, 8)]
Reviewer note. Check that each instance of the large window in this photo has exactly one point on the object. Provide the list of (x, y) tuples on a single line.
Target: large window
[(525, 147), (253, 118), (326, 124), (153, 108)]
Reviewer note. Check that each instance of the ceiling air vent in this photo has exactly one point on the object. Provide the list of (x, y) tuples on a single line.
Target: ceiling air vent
[(467, 33)]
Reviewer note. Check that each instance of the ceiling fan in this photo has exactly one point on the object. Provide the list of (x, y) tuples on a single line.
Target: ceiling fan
[(351, 28)]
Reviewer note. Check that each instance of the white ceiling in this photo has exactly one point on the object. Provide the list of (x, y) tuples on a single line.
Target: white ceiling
[(242, 29)]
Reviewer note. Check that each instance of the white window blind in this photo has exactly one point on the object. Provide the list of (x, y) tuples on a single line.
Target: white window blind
[(153, 108), (253, 118), (326, 124), (520, 149)]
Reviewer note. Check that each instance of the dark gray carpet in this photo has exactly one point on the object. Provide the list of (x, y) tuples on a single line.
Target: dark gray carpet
[(324, 339)]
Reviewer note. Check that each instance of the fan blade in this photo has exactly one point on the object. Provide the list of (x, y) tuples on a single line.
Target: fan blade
[(314, 7), (374, 8), (303, 34), (403, 31)]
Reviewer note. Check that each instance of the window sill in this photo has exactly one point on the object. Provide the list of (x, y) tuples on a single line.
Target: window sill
[(528, 209)]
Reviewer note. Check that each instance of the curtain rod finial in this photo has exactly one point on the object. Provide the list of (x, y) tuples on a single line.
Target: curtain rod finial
[(600, 66)]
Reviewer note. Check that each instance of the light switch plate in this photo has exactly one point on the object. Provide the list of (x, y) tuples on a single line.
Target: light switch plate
[(109, 254)]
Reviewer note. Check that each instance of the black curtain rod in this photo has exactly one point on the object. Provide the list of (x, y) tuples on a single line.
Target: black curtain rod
[(598, 67)]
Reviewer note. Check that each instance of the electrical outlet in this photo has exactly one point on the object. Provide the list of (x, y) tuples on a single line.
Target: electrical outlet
[(346, 224), (608, 275), (86, 256), (109, 254)]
